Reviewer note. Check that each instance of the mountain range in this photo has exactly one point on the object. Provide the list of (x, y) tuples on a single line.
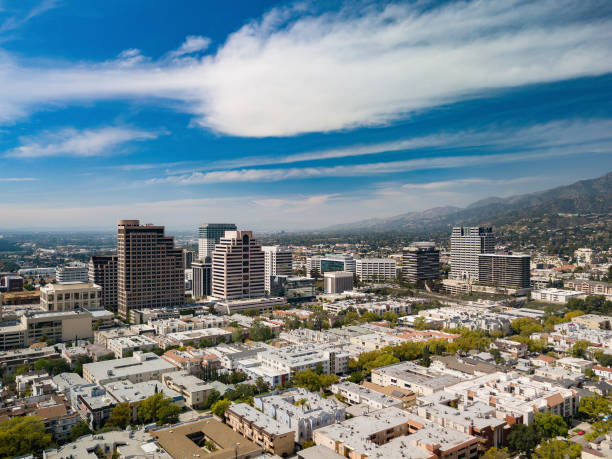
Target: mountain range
[(592, 196)]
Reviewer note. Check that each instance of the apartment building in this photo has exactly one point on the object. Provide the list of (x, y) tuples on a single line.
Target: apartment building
[(278, 261), (103, 272), (209, 235), (594, 321), (271, 435), (138, 368), (70, 296), (393, 432), (70, 274), (406, 397), (150, 271), (467, 243), (292, 359), (408, 375), (420, 262), (337, 281), (264, 304), (589, 287), (300, 411), (504, 270), (356, 394), (125, 345), (11, 359), (238, 267), (134, 393), (555, 295), (375, 269), (193, 389)]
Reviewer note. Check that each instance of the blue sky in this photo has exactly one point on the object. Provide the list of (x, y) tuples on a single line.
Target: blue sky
[(289, 116)]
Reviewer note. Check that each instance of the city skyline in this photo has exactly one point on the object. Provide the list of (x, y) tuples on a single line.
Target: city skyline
[(294, 116)]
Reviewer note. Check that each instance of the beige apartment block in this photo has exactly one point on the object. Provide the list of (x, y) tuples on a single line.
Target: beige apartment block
[(70, 296)]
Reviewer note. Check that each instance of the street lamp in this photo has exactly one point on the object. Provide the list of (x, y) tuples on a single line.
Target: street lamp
[(236, 450)]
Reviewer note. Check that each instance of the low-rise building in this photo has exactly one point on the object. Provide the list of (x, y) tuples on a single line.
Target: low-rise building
[(405, 396), (193, 389), (356, 395), (293, 359), (555, 295), (510, 349), (138, 368), (70, 296), (337, 281), (134, 393), (409, 375), (126, 345), (271, 435), (260, 304)]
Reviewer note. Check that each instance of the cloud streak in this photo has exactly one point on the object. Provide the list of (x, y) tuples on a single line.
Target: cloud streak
[(72, 142), (292, 73)]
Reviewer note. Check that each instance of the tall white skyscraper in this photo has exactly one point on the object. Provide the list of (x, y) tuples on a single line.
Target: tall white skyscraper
[(466, 244), (209, 235), (278, 262), (238, 267)]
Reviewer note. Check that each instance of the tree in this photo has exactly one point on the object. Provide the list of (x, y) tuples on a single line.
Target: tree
[(313, 381), (355, 377), (523, 438), (52, 366), (605, 359), (261, 385), (390, 316), (550, 425), (237, 335), (23, 435), (594, 406), (212, 397), (525, 326), (496, 453), (79, 429), (259, 332), (219, 408), (579, 348), (420, 323), (557, 449), (120, 416), (158, 408)]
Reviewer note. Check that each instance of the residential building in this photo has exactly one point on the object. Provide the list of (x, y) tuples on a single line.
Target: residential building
[(209, 235), (202, 278), (70, 296), (134, 393), (143, 316), (406, 397), (555, 295), (238, 267), (292, 359), (138, 368), (420, 262), (11, 359), (594, 321), (467, 243), (338, 281), (356, 395), (193, 389), (126, 345), (375, 269), (510, 349), (408, 375), (584, 256), (271, 435), (150, 271), (192, 360), (70, 274), (504, 270), (393, 432), (103, 272), (295, 289), (186, 440), (188, 338), (278, 261), (300, 411), (589, 287)]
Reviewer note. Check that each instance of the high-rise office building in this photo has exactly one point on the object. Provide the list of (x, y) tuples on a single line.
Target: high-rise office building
[(150, 271), (202, 278), (103, 272), (420, 262), (278, 262), (209, 235), (504, 270), (338, 281), (238, 267), (189, 256), (329, 263), (378, 269), (466, 244)]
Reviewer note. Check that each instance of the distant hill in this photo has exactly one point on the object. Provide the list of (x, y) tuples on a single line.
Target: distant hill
[(584, 197)]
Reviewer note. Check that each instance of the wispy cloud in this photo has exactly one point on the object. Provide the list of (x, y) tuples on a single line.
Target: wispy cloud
[(468, 182), (192, 44), (72, 142), (292, 72), (17, 179), (18, 20)]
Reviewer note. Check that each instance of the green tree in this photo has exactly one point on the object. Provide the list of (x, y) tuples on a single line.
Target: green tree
[(557, 449), (525, 326), (355, 377), (237, 335), (212, 397), (420, 323), (120, 416), (522, 438), (313, 381), (259, 332), (79, 429), (579, 348), (23, 435), (496, 453), (158, 408), (594, 406), (219, 408), (550, 425)]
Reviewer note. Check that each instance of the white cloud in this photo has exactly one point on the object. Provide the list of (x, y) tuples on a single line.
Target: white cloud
[(293, 73), (192, 44), (16, 21), (72, 142), (17, 179)]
